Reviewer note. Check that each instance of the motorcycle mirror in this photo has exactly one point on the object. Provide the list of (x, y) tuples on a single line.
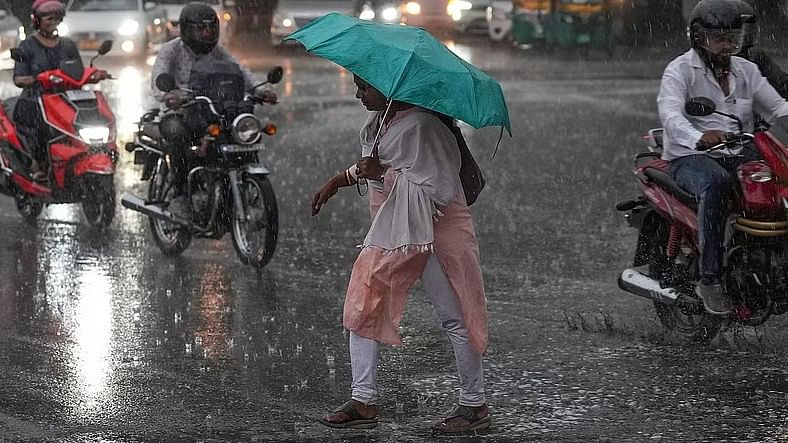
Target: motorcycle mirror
[(700, 107), (165, 82), (275, 75), (105, 47)]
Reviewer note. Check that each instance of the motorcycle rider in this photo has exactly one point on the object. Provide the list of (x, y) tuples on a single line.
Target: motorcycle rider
[(197, 44), (776, 76), (736, 86), (43, 51)]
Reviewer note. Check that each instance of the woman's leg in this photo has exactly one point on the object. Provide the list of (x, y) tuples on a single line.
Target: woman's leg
[(364, 355), (449, 314)]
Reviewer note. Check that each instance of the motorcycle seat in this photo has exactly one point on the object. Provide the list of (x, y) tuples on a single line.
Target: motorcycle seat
[(670, 186)]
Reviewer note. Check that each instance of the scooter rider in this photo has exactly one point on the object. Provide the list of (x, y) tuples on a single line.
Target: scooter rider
[(43, 51), (736, 86), (197, 44)]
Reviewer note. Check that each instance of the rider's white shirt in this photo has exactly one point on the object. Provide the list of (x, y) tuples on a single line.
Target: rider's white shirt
[(686, 77)]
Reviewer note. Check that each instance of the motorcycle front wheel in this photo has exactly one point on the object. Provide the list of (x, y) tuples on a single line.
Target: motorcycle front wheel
[(255, 238), (689, 323), (171, 238), (99, 203)]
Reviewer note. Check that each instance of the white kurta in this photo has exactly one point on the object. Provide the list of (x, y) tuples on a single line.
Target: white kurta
[(423, 152)]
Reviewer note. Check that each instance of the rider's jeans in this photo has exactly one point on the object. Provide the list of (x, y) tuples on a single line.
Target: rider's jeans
[(364, 353), (712, 181)]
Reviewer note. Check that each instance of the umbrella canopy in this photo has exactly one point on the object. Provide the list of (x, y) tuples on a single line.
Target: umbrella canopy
[(408, 64)]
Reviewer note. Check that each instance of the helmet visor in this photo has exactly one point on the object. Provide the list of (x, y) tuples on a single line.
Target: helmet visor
[(722, 42), (202, 32)]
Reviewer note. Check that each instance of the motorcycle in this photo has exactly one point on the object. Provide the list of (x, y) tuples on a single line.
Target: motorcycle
[(82, 150), (227, 188), (756, 248)]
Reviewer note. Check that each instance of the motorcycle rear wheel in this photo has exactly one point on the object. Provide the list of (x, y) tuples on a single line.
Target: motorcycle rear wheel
[(99, 203), (255, 239), (688, 323), (169, 237)]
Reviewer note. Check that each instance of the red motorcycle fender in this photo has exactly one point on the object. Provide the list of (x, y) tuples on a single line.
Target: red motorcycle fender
[(30, 187), (94, 164)]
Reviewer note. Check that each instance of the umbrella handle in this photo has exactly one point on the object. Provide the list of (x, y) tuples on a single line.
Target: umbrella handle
[(380, 128)]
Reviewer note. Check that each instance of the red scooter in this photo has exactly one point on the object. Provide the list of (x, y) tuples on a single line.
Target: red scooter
[(756, 248), (82, 150)]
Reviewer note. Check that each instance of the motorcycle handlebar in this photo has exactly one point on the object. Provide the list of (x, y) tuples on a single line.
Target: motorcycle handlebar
[(732, 140)]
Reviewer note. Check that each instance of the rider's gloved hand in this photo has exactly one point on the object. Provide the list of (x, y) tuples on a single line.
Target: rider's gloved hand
[(710, 139), (266, 96)]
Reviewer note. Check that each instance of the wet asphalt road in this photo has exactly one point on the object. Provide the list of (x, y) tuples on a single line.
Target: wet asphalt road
[(102, 338)]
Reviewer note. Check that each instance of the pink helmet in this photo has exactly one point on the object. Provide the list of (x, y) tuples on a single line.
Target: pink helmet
[(47, 6)]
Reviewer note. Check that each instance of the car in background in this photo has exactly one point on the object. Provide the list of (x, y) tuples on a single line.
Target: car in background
[(134, 25), (470, 16), (292, 15), (172, 12), (10, 29), (386, 11), (499, 20), (431, 15)]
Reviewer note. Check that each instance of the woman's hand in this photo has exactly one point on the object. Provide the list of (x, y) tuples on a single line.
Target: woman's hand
[(370, 168), (328, 190)]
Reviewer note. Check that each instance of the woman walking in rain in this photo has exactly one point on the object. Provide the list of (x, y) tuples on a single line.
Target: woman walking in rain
[(421, 226), (421, 229)]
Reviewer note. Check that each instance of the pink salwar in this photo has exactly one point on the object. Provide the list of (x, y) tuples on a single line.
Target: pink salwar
[(382, 279)]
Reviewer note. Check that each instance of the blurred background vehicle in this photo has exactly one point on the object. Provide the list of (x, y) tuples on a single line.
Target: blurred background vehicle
[(291, 15), (499, 20), (581, 24), (10, 29), (134, 25), (172, 11), (386, 11), (470, 16), (431, 15)]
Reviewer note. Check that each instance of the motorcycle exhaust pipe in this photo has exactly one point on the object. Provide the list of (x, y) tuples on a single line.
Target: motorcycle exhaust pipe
[(137, 204), (640, 284)]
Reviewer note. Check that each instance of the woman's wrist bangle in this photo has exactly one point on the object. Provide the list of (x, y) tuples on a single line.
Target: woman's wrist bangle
[(349, 177)]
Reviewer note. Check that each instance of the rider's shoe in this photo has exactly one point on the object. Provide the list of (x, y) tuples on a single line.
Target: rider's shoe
[(715, 300)]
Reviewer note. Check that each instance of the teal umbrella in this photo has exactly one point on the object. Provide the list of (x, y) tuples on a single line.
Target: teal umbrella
[(408, 64)]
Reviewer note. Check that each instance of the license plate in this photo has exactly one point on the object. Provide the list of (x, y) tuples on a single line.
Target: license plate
[(583, 38), (76, 95), (89, 45), (233, 149)]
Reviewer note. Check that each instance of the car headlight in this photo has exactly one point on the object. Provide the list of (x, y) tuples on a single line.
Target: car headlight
[(413, 8), (389, 14), (62, 29), (367, 13), (94, 134), (455, 7), (129, 27), (247, 129)]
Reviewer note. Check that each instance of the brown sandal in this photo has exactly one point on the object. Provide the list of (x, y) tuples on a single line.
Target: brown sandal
[(463, 420), (348, 417)]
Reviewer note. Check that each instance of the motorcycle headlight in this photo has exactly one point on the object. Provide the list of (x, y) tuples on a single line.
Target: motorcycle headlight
[(94, 135), (129, 27), (247, 129)]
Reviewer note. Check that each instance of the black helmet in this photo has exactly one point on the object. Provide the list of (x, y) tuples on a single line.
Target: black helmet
[(717, 26), (199, 27)]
